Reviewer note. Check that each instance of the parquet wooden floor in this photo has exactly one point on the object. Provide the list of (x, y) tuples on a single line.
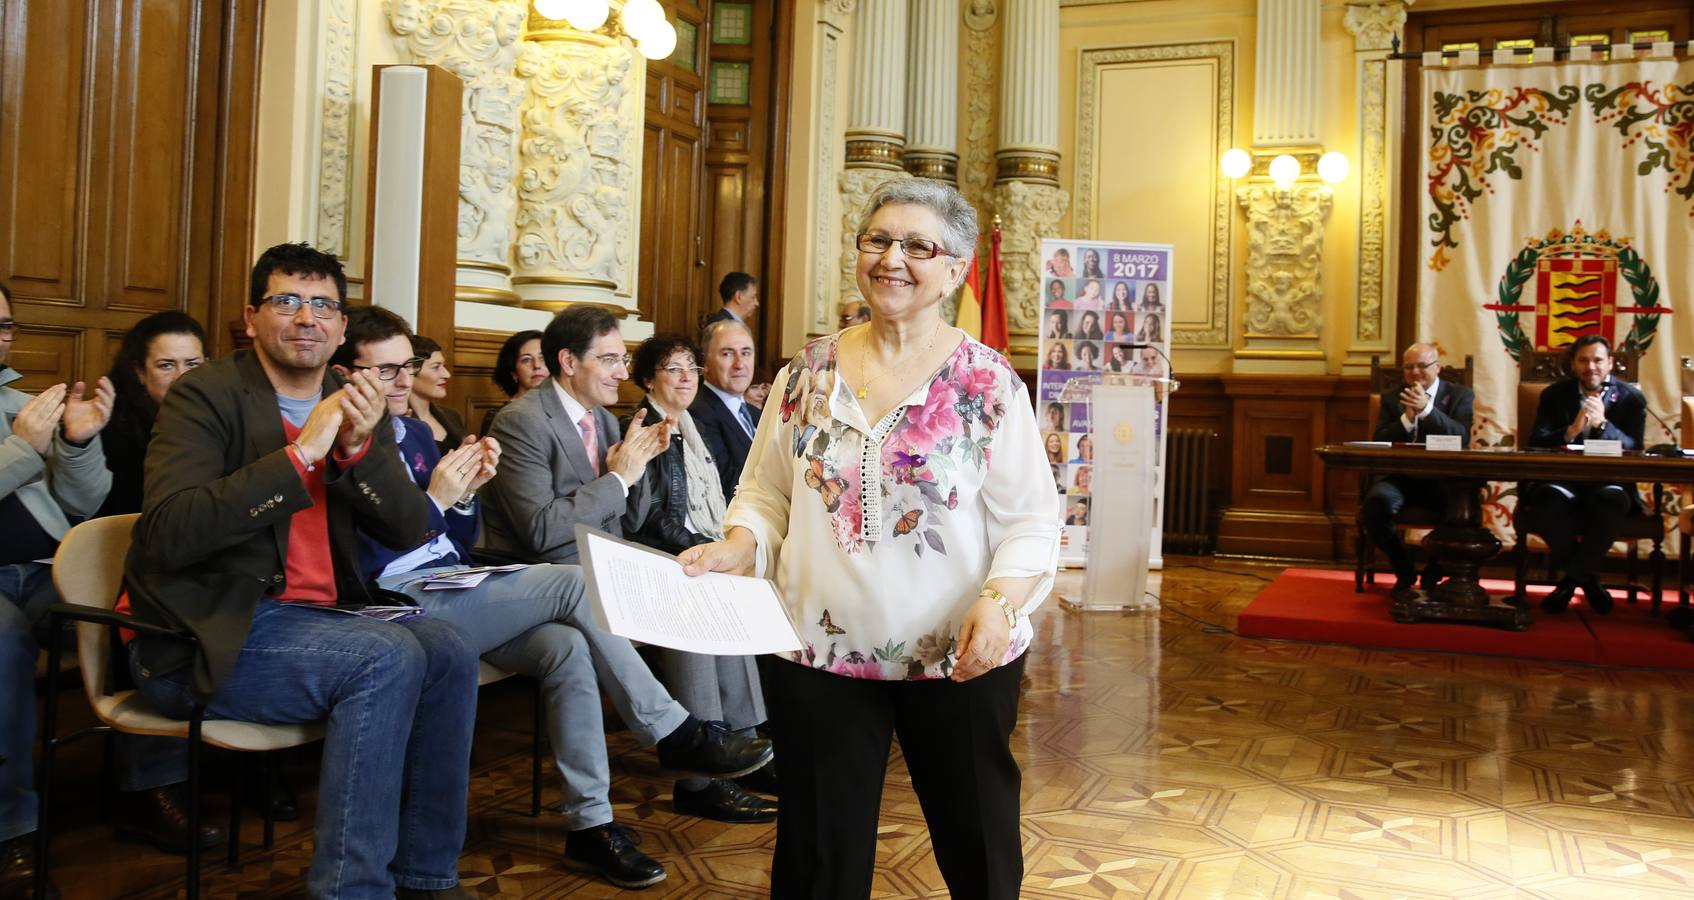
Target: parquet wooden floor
[(1163, 757)]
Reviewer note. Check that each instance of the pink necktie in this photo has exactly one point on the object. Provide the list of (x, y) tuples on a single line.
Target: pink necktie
[(590, 441)]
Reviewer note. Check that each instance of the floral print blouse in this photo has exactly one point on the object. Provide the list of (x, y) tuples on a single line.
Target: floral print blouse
[(879, 535)]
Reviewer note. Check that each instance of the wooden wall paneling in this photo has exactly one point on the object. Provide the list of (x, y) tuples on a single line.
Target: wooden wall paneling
[(46, 355), (230, 260), (472, 391), (1204, 403), (671, 285), (1277, 502), (42, 133)]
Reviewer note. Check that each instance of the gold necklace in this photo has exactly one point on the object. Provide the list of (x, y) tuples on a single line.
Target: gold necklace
[(865, 386)]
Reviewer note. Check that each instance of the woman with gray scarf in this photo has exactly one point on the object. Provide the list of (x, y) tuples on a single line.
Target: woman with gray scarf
[(688, 509)]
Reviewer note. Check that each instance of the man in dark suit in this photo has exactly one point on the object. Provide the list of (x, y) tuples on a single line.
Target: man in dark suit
[(560, 462), (725, 419), (1590, 405), (740, 294), (1423, 405), (262, 469)]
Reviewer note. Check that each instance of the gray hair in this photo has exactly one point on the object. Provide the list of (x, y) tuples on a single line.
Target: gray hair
[(712, 330), (958, 217)]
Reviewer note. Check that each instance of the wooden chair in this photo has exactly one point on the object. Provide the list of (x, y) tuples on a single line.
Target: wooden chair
[(88, 571), (1685, 512), (1536, 370), (1384, 377)]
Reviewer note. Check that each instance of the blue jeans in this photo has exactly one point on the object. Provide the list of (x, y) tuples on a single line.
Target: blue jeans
[(401, 705), (26, 590), (536, 621)]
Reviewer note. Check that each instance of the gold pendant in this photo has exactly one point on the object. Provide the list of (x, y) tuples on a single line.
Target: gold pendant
[(861, 393)]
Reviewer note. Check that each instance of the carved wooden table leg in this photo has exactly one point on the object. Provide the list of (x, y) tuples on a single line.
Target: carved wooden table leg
[(1460, 544)]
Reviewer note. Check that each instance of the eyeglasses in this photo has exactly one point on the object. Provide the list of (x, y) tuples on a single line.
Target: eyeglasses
[(613, 360), (1418, 367), (289, 304), (391, 371), (914, 248), (8, 328), (680, 371)]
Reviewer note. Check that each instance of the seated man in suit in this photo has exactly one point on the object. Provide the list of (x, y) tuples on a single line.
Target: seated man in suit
[(740, 294), (262, 468), (1423, 405), (1588, 405), (722, 412), (535, 621)]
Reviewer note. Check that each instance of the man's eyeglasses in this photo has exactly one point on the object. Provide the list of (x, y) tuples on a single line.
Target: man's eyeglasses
[(679, 371), (914, 248), (613, 360), (8, 328), (391, 371), (1418, 366), (289, 304)]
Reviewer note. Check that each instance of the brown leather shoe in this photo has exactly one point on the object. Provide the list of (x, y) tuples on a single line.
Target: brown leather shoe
[(160, 817), (17, 868)]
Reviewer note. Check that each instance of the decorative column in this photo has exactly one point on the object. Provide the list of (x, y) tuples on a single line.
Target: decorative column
[(578, 182), (1283, 325), (976, 165), (477, 40), (932, 98), (876, 121), (1373, 28), (830, 27), (1026, 191)]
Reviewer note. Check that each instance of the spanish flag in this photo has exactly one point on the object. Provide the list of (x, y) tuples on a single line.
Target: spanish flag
[(982, 307)]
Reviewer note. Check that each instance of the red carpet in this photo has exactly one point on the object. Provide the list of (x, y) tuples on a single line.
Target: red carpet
[(1320, 605)]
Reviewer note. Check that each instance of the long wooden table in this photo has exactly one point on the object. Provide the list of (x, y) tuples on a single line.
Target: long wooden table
[(1460, 543)]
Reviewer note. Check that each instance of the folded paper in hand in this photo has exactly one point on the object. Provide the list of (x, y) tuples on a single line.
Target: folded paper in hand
[(642, 594)]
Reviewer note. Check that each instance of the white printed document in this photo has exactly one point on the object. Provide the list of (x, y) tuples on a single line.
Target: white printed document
[(642, 594)]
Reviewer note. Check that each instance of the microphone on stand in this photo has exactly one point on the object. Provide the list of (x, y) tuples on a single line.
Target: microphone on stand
[(1668, 448)]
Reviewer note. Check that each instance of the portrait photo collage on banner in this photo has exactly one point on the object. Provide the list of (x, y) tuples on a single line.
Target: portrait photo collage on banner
[(1098, 300)]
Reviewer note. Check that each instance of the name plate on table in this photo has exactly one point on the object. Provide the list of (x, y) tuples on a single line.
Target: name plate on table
[(1592, 447), (1443, 442)]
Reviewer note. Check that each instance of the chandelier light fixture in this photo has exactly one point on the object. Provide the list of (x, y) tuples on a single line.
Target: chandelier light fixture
[(642, 20)]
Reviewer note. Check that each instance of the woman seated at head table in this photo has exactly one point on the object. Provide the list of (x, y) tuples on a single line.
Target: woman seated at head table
[(518, 369), (429, 389), (688, 509), (909, 564), (151, 357)]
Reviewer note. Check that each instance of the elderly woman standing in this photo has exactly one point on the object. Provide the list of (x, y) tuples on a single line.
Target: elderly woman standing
[(688, 509), (902, 502)]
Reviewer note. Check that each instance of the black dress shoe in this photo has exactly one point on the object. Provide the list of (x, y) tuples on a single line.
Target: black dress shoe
[(160, 817), (1560, 598), (713, 751), (762, 779), (724, 801), (1432, 575), (285, 806), (17, 868), (1599, 599), (609, 850)]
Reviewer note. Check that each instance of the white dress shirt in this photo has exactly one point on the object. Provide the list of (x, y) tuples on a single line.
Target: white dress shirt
[(734, 402), (575, 411), (1408, 422)]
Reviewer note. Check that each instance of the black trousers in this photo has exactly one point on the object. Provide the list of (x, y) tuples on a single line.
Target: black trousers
[(1599, 509), (833, 736), (1384, 500)]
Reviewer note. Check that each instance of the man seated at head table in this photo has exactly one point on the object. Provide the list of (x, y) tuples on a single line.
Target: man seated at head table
[(535, 621), (1588, 405), (261, 467), (1422, 405)]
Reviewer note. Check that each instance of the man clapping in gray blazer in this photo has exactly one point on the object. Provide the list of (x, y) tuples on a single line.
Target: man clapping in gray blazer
[(561, 462)]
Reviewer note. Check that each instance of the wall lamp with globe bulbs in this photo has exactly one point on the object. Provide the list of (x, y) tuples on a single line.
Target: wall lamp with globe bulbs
[(1284, 169), (642, 20)]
